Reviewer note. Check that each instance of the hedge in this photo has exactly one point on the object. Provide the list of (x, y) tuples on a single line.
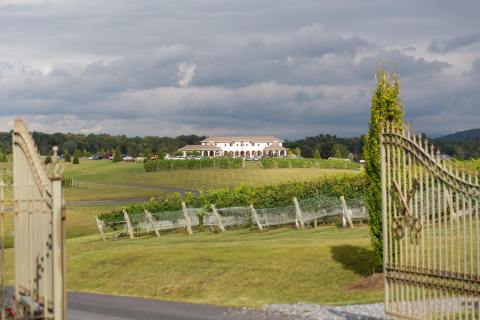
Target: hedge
[(160, 164), (268, 163), (349, 185)]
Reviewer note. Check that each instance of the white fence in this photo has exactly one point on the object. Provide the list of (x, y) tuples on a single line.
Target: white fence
[(301, 214)]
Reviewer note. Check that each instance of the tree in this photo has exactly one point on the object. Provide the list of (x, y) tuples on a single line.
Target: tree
[(66, 155), (70, 146), (298, 152), (76, 157), (147, 153), (386, 106), (317, 154), (117, 157), (339, 151)]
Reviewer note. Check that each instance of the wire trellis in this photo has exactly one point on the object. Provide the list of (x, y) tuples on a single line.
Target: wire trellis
[(317, 209)]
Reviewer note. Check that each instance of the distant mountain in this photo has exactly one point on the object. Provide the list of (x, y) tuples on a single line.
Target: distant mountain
[(461, 136)]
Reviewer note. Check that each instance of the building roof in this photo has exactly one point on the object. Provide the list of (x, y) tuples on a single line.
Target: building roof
[(275, 147), (199, 147), (242, 138)]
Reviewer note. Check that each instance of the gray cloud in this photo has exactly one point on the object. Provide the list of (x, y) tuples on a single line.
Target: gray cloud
[(454, 43), (292, 69)]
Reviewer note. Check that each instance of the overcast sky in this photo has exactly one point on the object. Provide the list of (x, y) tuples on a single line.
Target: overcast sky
[(287, 68)]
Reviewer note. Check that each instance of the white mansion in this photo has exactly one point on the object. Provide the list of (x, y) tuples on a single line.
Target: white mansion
[(238, 146)]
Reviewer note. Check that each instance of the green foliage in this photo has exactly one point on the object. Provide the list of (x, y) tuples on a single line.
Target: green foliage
[(317, 154), (340, 151), (48, 160), (160, 164), (268, 163), (67, 156), (326, 143), (298, 152), (70, 146), (470, 166), (386, 106), (76, 157), (117, 157), (274, 196), (147, 153), (67, 183)]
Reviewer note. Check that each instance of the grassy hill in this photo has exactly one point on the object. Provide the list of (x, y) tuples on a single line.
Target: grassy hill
[(236, 268)]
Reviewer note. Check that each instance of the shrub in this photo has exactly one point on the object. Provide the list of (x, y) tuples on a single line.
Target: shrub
[(76, 157), (66, 156), (48, 160), (160, 164), (268, 163), (117, 157)]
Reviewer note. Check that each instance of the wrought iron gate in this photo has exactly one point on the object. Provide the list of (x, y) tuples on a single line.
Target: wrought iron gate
[(39, 244), (431, 231)]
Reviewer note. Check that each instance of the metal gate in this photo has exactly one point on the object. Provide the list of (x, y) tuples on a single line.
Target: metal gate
[(39, 244), (430, 229)]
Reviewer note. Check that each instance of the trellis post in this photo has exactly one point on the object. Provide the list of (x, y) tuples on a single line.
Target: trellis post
[(255, 217), (217, 216), (100, 227), (298, 213), (188, 220), (148, 215), (347, 213), (129, 224)]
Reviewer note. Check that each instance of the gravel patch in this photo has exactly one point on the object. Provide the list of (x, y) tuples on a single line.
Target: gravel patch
[(319, 312)]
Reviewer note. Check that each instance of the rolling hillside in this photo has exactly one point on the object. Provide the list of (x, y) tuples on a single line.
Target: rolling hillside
[(461, 136)]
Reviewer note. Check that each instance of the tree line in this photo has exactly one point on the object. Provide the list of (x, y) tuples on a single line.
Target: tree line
[(319, 146)]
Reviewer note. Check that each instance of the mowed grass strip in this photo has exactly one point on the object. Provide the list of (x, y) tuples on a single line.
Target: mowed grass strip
[(92, 192), (132, 174), (236, 268)]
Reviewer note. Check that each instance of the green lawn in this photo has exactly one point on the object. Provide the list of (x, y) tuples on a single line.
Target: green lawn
[(236, 268), (132, 174)]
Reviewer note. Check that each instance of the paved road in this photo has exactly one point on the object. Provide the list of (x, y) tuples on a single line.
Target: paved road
[(104, 307), (87, 306)]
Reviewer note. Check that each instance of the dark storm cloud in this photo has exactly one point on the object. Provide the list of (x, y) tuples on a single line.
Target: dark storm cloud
[(217, 67), (454, 43)]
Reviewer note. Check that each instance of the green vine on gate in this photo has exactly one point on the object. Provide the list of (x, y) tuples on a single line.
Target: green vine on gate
[(386, 106)]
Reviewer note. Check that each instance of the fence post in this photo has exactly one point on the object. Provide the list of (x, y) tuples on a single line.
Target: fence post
[(298, 212), (188, 221), (347, 213), (129, 224), (148, 215), (217, 216), (3, 293), (100, 227), (255, 217)]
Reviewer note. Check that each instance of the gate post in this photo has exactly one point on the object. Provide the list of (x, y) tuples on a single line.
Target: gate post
[(58, 239), (385, 217)]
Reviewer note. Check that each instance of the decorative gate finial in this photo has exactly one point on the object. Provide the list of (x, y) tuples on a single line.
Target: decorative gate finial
[(55, 168)]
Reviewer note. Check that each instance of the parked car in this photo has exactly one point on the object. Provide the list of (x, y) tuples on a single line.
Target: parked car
[(94, 157), (128, 158)]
